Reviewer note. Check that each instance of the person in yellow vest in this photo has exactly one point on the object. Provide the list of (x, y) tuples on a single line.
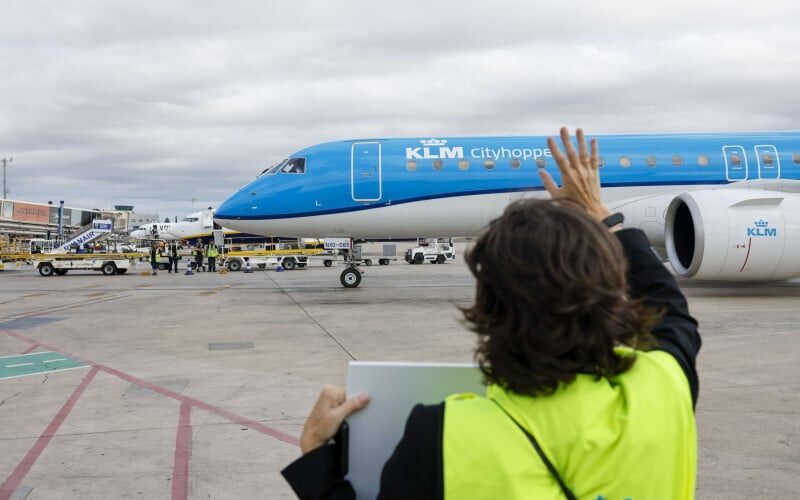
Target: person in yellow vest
[(588, 350), (211, 254)]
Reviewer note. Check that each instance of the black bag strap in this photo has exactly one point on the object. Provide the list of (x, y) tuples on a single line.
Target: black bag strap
[(550, 467)]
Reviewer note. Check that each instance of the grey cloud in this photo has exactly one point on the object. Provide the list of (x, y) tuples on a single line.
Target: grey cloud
[(113, 102)]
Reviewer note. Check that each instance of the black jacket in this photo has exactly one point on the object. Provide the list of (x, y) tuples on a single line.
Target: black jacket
[(415, 469)]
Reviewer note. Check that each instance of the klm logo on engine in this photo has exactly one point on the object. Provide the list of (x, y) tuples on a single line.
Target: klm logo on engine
[(435, 149), (761, 229)]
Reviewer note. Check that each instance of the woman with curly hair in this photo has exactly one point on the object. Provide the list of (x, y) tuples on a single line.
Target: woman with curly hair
[(588, 350)]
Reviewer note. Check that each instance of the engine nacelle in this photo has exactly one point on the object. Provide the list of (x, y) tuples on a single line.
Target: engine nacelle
[(734, 234)]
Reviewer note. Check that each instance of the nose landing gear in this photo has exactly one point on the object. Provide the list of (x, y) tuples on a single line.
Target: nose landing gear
[(350, 277)]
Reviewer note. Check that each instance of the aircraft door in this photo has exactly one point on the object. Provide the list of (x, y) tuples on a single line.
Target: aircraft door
[(769, 163), (365, 171), (208, 219), (735, 163)]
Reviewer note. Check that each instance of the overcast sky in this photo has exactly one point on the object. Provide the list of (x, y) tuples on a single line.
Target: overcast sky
[(155, 103)]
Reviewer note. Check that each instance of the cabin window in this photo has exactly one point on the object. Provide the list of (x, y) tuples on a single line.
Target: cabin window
[(796, 158), (736, 159), (677, 160), (625, 161), (514, 162), (463, 164), (702, 160), (488, 164), (601, 162), (411, 165), (651, 161), (767, 159), (294, 166), (541, 162), (438, 164)]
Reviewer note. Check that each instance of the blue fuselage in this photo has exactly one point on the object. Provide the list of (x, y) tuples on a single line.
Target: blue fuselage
[(368, 175)]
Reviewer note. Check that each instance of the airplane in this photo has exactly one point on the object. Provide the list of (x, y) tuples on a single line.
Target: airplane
[(153, 231), (200, 225), (719, 206)]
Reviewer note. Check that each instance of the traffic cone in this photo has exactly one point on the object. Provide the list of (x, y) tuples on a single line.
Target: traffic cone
[(247, 267), (188, 269)]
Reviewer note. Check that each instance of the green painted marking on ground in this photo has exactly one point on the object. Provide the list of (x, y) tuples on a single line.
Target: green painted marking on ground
[(36, 362)]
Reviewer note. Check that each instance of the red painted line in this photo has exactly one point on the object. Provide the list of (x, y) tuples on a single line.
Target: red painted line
[(746, 257), (15, 479), (202, 405), (183, 449), (233, 417), (30, 349)]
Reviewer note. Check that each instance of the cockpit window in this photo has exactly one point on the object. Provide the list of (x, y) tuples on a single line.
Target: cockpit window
[(294, 166), (274, 168)]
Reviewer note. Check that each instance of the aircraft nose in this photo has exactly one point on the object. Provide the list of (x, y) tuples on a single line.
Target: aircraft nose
[(239, 206)]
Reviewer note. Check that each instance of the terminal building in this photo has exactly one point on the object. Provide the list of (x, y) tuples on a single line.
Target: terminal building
[(25, 220)]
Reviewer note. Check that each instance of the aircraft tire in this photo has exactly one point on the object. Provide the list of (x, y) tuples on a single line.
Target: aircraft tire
[(47, 269), (109, 268), (350, 277)]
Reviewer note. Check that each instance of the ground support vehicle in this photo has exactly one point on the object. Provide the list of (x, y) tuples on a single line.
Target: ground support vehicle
[(355, 256), (433, 250), (61, 264), (388, 255), (264, 259), (13, 250)]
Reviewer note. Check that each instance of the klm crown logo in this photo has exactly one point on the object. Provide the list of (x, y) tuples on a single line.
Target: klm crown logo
[(432, 142), (761, 229)]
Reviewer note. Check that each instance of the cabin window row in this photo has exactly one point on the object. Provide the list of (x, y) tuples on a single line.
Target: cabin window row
[(488, 164), (624, 161)]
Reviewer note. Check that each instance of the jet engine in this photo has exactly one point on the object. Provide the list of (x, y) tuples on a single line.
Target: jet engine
[(734, 234)]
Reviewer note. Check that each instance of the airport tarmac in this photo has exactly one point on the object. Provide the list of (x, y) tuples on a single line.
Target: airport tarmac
[(175, 386)]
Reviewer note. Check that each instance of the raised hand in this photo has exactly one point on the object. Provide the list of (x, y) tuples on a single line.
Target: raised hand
[(580, 174)]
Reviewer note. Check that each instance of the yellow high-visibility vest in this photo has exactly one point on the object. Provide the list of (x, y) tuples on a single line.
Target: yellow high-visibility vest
[(628, 437)]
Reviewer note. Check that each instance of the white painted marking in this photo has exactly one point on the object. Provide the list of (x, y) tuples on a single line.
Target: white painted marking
[(45, 373), (20, 364), (29, 354), (53, 360)]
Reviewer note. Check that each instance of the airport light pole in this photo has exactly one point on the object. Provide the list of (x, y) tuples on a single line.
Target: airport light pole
[(6, 161)]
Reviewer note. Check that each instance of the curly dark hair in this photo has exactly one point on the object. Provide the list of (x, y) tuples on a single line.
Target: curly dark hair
[(551, 299)]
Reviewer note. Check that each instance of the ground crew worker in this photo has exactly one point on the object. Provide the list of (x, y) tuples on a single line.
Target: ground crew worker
[(173, 257), (588, 350), (198, 257), (154, 257), (212, 253)]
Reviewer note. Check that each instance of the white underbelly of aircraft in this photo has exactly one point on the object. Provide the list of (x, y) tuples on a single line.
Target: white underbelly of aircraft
[(456, 216)]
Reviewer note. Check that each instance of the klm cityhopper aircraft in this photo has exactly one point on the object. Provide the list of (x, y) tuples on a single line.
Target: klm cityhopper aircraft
[(720, 206)]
